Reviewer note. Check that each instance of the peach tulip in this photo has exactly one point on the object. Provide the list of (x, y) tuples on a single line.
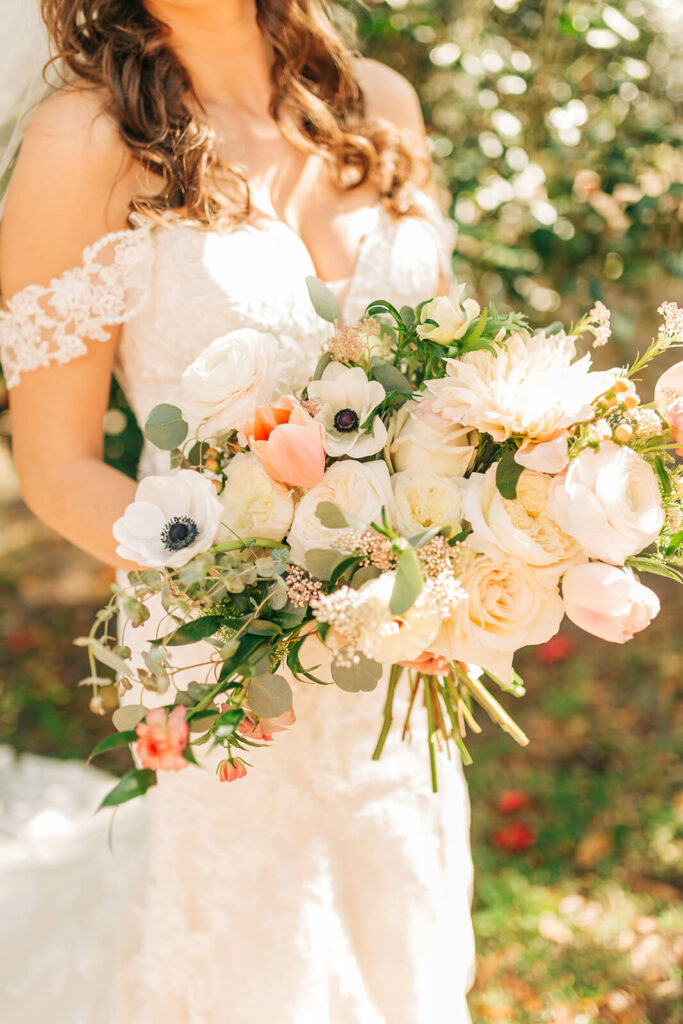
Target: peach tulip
[(162, 738), (232, 768), (675, 417), (608, 602), (288, 442)]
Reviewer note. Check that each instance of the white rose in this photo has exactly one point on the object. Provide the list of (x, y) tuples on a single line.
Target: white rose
[(510, 605), (229, 380), (424, 500), (347, 399), (172, 519), (422, 439), (521, 526), (253, 504), (450, 319), (609, 500), (361, 488)]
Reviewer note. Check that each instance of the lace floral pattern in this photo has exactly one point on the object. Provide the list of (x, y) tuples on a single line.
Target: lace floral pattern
[(44, 324)]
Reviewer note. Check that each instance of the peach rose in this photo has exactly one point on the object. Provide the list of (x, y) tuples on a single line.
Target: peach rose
[(288, 442), (608, 602), (162, 738), (232, 768)]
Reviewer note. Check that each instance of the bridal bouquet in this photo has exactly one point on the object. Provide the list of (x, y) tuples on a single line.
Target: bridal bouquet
[(443, 490)]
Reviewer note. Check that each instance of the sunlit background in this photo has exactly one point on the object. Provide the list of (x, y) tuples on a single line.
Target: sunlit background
[(556, 129)]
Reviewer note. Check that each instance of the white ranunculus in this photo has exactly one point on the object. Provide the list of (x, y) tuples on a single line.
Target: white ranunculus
[(172, 519), (229, 380), (347, 399), (253, 504), (422, 439), (424, 500), (361, 488), (450, 318), (530, 387), (521, 526), (609, 500), (509, 605)]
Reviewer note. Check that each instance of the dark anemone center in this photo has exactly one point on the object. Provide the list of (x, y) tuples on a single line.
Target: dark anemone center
[(346, 420), (178, 533)]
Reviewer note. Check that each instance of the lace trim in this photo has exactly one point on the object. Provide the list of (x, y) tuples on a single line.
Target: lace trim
[(53, 323)]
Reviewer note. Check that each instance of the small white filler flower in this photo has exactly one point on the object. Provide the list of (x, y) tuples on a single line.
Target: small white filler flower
[(172, 519)]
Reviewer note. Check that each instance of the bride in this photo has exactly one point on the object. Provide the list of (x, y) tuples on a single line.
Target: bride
[(205, 157)]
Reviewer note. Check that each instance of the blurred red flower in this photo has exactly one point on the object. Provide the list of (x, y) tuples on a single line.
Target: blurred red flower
[(512, 800), (514, 838), (21, 640), (557, 649)]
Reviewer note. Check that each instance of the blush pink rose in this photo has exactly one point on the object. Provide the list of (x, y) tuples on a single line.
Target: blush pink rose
[(162, 738), (668, 388), (232, 768), (288, 443), (608, 602), (674, 416)]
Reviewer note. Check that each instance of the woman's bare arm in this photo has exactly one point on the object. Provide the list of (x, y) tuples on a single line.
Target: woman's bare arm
[(70, 187)]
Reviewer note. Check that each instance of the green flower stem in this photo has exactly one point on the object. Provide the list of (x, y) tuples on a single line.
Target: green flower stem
[(455, 724), (494, 709), (414, 684), (428, 680), (251, 542), (394, 676)]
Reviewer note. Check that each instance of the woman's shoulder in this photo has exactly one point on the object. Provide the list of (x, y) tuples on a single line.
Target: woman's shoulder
[(388, 94)]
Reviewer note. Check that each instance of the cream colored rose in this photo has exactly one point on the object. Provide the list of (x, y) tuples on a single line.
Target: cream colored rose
[(422, 439), (521, 526), (444, 319), (424, 500), (229, 380), (609, 501), (253, 504), (361, 488), (509, 605)]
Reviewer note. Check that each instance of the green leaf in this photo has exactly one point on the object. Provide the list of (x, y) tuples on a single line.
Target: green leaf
[(361, 677), (508, 473), (228, 723), (262, 627), (165, 427), (321, 562), (335, 518), (113, 742), (469, 342), (127, 716), (322, 364), (408, 315), (269, 695), (664, 478), (198, 691), (364, 575), (408, 583), (135, 783), (188, 754), (343, 567), (191, 632), (390, 378), (657, 568), (674, 544), (325, 302), (103, 654)]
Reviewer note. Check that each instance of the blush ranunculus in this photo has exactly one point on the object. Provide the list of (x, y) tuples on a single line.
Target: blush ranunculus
[(608, 602), (162, 738), (288, 442)]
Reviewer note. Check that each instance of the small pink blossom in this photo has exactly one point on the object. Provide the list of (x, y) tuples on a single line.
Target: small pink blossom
[(162, 738), (232, 768)]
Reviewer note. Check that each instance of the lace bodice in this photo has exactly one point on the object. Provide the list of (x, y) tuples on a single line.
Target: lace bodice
[(175, 289)]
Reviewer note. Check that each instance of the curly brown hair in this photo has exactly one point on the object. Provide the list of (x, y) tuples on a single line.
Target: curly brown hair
[(315, 99)]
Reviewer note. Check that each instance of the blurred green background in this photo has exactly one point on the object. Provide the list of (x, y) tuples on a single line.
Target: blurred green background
[(556, 129)]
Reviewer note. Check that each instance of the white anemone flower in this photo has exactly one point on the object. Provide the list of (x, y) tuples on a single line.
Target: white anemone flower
[(172, 519), (531, 387), (347, 399)]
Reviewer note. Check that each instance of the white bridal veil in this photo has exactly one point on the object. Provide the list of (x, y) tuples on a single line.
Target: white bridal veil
[(24, 49)]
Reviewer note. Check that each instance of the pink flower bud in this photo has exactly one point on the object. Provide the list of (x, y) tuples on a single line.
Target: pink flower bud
[(608, 602)]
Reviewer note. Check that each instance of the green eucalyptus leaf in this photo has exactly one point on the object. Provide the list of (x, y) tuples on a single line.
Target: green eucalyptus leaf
[(263, 627), (113, 742), (191, 632), (408, 583), (103, 654), (322, 364), (335, 518), (508, 473), (325, 302), (135, 783), (165, 427), (269, 695), (127, 716), (390, 378), (364, 575), (361, 677), (321, 562)]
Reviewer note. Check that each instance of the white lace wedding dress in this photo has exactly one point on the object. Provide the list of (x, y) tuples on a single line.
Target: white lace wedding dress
[(324, 888)]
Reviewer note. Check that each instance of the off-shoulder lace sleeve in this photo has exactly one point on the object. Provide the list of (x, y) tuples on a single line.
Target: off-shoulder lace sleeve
[(53, 323)]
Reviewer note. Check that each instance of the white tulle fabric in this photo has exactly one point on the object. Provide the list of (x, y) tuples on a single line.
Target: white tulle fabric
[(324, 888)]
